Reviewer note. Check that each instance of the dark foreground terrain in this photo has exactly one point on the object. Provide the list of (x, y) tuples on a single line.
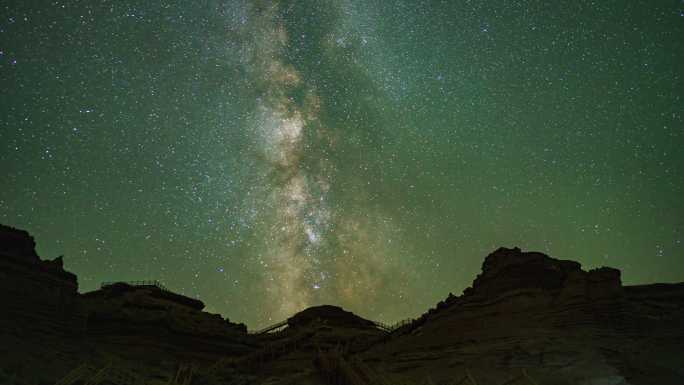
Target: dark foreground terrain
[(527, 319)]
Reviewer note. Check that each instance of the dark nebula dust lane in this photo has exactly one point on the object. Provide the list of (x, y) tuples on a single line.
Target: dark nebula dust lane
[(267, 156)]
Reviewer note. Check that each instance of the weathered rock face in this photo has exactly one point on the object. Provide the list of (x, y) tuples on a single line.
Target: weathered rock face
[(148, 319), (521, 281), (17, 243), (37, 296), (47, 328), (508, 270), (330, 326), (40, 317), (528, 318), (531, 316), (333, 316)]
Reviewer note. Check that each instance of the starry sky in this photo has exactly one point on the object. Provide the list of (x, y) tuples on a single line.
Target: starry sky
[(266, 156)]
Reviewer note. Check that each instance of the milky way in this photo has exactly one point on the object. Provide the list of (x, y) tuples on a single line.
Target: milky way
[(312, 252), (266, 156)]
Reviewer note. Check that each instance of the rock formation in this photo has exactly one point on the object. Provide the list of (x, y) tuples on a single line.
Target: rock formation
[(150, 321), (37, 295), (48, 328), (529, 316), (39, 308), (527, 319), (332, 316)]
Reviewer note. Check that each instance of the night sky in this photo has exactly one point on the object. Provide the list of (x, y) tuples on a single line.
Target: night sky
[(269, 156)]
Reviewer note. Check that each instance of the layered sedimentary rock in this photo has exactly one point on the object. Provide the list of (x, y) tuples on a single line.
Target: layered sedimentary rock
[(47, 327), (289, 355), (529, 317), (148, 319), (332, 316), (40, 320), (37, 296)]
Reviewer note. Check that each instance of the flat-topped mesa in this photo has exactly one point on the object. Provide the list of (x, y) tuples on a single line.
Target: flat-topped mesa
[(149, 311), (117, 289)]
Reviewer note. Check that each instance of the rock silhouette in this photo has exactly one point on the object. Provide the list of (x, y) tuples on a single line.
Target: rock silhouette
[(528, 318)]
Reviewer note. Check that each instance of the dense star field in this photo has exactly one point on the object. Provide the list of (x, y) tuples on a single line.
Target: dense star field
[(268, 156)]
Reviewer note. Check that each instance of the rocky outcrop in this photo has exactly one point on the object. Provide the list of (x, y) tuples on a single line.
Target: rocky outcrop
[(293, 354), (41, 317), (333, 316), (528, 315), (38, 296), (527, 318), (48, 328), (115, 290), (517, 282), (148, 319), (507, 270), (17, 243)]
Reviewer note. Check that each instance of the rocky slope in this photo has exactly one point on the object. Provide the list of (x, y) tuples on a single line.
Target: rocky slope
[(527, 319), (47, 328)]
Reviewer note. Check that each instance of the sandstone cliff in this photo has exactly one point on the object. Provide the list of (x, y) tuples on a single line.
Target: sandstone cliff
[(47, 328), (527, 319), (531, 318)]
